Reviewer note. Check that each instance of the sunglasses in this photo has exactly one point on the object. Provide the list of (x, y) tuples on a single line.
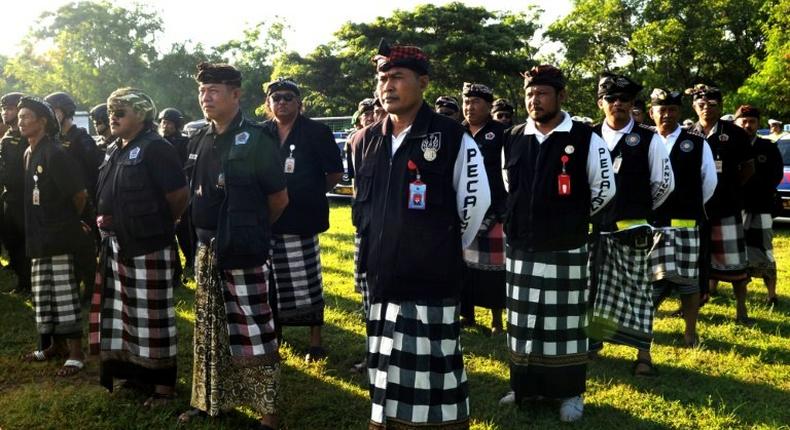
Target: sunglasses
[(117, 113), (611, 98), (280, 97)]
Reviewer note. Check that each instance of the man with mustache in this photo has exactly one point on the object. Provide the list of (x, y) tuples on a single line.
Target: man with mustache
[(421, 194), (559, 174), (623, 310)]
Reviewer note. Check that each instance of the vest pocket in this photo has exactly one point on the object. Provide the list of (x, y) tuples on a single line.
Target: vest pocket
[(424, 254), (246, 233)]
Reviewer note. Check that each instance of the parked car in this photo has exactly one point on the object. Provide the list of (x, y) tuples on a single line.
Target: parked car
[(784, 187), (344, 189)]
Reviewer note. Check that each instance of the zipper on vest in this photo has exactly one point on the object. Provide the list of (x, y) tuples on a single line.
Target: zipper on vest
[(386, 201)]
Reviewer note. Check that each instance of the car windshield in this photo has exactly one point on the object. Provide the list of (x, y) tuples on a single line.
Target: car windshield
[(784, 148)]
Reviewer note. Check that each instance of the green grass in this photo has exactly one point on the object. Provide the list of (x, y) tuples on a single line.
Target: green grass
[(739, 378)]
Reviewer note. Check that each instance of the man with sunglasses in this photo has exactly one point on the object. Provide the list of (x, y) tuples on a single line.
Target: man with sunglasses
[(141, 193), (725, 243), (623, 310), (312, 165), (502, 112), (238, 191), (448, 106)]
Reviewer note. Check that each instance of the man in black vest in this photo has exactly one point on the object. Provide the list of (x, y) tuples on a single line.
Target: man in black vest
[(734, 166), (12, 184), (141, 194), (312, 166), (238, 191), (559, 174), (622, 291), (758, 203), (484, 277), (502, 112), (80, 145), (54, 198), (422, 193), (171, 121), (676, 255)]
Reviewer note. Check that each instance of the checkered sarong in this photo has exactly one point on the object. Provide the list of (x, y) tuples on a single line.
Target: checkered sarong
[(56, 297), (758, 233), (727, 249), (132, 313), (623, 306), (487, 251), (296, 262), (360, 277), (547, 321), (415, 367), (675, 255)]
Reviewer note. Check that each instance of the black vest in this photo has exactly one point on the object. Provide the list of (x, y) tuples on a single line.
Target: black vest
[(685, 202), (142, 220), (410, 254), (759, 192), (539, 218), (730, 145), (12, 166), (243, 230)]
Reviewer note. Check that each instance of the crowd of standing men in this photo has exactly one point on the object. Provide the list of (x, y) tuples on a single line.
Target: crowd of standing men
[(576, 232)]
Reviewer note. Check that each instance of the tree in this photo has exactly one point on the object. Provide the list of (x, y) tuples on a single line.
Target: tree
[(87, 49), (463, 43), (769, 86), (666, 43)]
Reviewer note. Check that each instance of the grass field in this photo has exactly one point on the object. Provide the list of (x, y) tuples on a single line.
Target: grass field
[(738, 378)]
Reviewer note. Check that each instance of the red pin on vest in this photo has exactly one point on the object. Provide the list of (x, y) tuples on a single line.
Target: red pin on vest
[(564, 179)]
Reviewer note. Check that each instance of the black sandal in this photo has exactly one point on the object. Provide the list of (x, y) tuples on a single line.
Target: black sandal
[(651, 372)]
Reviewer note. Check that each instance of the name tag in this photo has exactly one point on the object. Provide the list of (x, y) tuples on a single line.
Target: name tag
[(417, 191), (193, 156), (290, 165), (719, 166), (616, 164)]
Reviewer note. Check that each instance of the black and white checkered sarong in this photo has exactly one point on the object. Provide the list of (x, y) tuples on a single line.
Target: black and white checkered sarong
[(56, 297), (727, 249), (296, 262), (415, 367), (758, 233), (675, 259), (360, 277), (547, 321), (623, 307), (133, 315)]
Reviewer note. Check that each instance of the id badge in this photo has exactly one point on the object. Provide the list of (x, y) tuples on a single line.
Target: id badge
[(417, 191), (36, 197), (290, 165), (719, 166), (616, 164), (564, 184)]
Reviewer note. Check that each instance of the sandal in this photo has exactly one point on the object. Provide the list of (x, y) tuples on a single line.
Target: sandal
[(187, 416), (159, 399), (651, 372), (315, 353), (36, 356), (70, 368)]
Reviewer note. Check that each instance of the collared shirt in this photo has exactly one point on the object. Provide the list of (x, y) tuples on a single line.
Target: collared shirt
[(707, 169), (661, 183), (599, 163), (468, 160)]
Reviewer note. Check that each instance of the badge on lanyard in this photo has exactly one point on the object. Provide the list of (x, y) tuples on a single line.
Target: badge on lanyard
[(564, 179), (290, 162), (36, 194), (417, 189), (616, 163), (221, 181), (719, 166)]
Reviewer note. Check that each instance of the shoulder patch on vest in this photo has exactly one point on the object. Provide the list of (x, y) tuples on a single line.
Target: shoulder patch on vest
[(134, 153), (695, 133), (686, 145), (632, 139), (242, 138), (647, 127)]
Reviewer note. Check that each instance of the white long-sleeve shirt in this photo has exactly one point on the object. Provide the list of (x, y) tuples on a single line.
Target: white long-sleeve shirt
[(470, 181), (662, 179), (599, 164), (707, 169)]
